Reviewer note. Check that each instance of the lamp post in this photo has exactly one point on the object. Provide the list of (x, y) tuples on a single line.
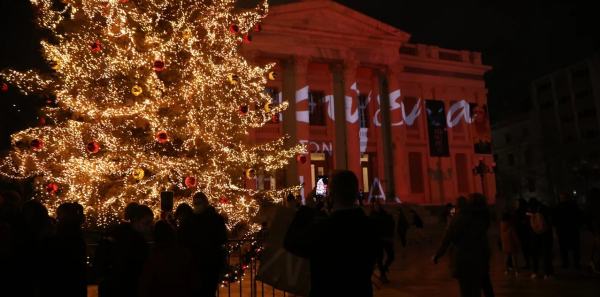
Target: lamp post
[(481, 169)]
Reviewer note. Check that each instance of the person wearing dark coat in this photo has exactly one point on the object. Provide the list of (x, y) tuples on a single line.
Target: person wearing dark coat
[(66, 271), (330, 244), (541, 244), (523, 227), (124, 253), (592, 219), (418, 223), (204, 236), (169, 269), (32, 236), (467, 240), (402, 227), (384, 222), (567, 220)]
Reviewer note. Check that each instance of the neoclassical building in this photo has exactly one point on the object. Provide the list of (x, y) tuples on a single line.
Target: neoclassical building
[(357, 90)]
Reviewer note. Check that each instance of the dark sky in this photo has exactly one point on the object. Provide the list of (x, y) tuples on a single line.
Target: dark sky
[(522, 40)]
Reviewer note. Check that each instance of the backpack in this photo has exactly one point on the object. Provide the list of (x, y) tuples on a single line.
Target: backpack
[(538, 223)]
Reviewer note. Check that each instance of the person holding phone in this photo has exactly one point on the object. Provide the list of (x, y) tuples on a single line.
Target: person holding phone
[(345, 231), (467, 242)]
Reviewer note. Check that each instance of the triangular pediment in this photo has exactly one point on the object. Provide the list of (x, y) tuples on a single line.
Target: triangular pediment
[(330, 18)]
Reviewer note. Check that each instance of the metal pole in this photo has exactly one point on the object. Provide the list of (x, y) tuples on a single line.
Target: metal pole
[(482, 185)]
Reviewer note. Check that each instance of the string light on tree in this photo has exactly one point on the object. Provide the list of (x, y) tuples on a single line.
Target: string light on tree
[(154, 128)]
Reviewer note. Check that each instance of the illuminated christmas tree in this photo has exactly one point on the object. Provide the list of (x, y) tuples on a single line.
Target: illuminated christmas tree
[(147, 96)]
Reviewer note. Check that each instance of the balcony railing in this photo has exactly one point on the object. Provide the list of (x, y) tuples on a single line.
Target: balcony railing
[(409, 49), (318, 130), (449, 56)]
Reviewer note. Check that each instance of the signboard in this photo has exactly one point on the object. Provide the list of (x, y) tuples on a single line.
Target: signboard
[(278, 267), (437, 128)]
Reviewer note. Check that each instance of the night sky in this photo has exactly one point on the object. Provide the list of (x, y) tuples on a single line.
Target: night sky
[(522, 40)]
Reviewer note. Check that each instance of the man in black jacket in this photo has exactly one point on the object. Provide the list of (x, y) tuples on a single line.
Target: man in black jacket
[(567, 220), (204, 235), (331, 243)]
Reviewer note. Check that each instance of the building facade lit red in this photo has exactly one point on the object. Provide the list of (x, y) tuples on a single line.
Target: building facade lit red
[(356, 90)]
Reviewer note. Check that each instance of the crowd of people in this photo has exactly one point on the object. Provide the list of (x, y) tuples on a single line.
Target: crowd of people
[(533, 227), (46, 256)]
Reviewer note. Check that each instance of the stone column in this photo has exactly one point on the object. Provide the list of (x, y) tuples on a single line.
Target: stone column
[(376, 120), (302, 120), (352, 125), (398, 134)]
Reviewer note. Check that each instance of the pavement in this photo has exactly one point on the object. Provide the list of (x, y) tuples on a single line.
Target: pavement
[(413, 274)]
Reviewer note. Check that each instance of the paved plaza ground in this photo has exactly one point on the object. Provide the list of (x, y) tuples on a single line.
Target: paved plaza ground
[(413, 274)]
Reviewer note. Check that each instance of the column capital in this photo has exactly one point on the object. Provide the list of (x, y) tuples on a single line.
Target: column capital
[(393, 70), (350, 67), (301, 64)]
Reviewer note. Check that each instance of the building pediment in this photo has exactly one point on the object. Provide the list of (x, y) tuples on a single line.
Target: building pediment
[(328, 30), (331, 19)]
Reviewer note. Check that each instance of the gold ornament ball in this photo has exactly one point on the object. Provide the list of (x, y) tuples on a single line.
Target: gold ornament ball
[(55, 64), (136, 90), (187, 33), (138, 173), (272, 75), (269, 106), (234, 79), (250, 173)]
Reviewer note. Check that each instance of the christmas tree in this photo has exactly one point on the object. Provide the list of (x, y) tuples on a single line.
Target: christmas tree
[(147, 96)]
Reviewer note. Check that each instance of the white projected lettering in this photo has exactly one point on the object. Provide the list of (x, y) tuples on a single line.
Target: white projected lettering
[(302, 115), (316, 148), (351, 117), (462, 107), (457, 111)]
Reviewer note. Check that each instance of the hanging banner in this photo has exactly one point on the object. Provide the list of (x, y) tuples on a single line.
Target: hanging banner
[(437, 128), (480, 129)]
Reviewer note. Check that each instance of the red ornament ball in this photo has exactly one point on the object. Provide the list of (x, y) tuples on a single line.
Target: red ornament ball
[(159, 65), (95, 47), (247, 38), (224, 200), (4, 87), (190, 181), (36, 144), (257, 28), (301, 159), (162, 136), (243, 109), (93, 147), (124, 1), (52, 188), (42, 121), (275, 118), (233, 28)]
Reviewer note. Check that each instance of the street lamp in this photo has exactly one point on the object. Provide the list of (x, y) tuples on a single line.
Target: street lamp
[(482, 170)]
